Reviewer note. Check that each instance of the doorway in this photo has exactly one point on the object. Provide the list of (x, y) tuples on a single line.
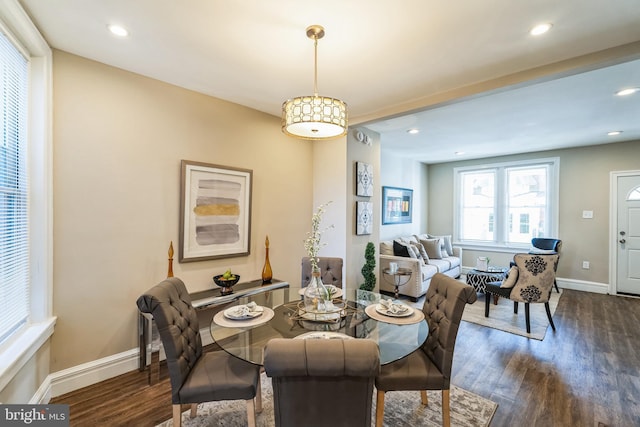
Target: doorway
[(625, 233)]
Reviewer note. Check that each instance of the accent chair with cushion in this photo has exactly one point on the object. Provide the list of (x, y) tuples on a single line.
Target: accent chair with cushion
[(429, 367), (535, 279), (197, 376), (330, 271), (322, 382), (545, 246)]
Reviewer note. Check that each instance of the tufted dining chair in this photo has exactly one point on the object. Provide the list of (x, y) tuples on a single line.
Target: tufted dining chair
[(196, 376), (535, 277), (330, 270), (322, 382), (429, 367)]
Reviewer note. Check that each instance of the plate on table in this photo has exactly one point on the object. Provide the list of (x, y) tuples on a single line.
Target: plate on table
[(323, 336), (244, 312), (334, 291), (395, 311)]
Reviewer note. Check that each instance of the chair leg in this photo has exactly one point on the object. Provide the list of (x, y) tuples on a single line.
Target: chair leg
[(259, 397), (194, 410), (546, 307), (555, 285), (177, 415), (424, 397), (379, 408), (446, 414), (515, 307), (487, 303), (251, 413), (526, 317)]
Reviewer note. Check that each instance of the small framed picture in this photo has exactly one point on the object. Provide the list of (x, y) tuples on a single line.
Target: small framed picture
[(364, 217), (397, 205), (364, 179)]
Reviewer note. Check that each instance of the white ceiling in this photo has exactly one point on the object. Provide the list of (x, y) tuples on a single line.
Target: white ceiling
[(384, 58)]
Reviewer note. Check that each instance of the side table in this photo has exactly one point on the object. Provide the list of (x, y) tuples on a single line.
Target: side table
[(399, 277)]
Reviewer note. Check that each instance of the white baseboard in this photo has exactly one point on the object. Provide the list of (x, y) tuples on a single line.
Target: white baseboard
[(90, 373)]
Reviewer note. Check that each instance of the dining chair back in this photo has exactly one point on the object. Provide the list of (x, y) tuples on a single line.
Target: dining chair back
[(429, 367), (322, 382), (196, 376), (330, 271)]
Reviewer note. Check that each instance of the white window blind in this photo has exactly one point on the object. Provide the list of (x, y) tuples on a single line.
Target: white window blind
[(14, 190)]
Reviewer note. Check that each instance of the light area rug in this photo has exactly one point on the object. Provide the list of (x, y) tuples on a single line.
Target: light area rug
[(402, 409), (502, 317)]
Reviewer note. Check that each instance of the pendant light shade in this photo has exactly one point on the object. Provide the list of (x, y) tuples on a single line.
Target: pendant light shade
[(314, 117)]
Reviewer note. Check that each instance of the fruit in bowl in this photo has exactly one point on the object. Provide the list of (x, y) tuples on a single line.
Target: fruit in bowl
[(226, 281)]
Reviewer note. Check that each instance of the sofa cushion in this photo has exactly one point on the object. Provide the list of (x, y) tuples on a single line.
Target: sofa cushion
[(446, 241), (433, 248), (441, 264), (453, 260)]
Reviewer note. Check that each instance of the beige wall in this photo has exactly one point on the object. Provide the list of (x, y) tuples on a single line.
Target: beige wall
[(584, 185), (118, 141), (359, 152)]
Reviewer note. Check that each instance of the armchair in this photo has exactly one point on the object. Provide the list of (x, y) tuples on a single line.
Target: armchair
[(536, 276)]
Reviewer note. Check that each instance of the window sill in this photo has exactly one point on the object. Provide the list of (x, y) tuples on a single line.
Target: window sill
[(15, 355)]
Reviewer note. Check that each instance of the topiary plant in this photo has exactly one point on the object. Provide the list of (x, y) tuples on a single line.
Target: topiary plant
[(369, 268)]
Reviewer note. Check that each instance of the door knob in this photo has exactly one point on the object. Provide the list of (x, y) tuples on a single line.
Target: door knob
[(623, 241)]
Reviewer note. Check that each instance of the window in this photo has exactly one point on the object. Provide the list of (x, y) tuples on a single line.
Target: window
[(506, 204), (26, 320)]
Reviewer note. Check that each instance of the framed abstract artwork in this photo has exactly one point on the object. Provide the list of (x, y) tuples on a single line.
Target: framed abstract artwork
[(397, 205), (215, 211), (364, 179), (364, 217)]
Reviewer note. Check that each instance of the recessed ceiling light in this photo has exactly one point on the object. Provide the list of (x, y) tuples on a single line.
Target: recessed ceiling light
[(614, 132), (627, 91), (118, 30), (459, 153), (413, 131), (540, 29)]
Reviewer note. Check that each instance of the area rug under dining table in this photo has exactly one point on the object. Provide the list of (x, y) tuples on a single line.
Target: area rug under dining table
[(402, 409)]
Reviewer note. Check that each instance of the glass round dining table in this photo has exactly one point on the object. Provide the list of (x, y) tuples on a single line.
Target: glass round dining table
[(247, 339)]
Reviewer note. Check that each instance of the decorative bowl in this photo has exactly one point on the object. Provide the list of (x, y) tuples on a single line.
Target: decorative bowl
[(226, 284)]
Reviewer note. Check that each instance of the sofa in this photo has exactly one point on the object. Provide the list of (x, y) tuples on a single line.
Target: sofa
[(425, 255)]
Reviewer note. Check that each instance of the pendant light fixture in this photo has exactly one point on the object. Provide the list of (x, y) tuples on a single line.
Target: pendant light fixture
[(314, 117)]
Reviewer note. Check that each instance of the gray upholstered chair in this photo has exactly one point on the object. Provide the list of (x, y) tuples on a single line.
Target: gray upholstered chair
[(429, 367), (322, 382), (535, 280), (330, 270), (196, 376)]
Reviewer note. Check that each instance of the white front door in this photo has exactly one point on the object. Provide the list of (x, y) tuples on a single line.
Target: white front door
[(628, 235)]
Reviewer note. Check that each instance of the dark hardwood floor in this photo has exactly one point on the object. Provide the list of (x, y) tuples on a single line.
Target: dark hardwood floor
[(587, 373)]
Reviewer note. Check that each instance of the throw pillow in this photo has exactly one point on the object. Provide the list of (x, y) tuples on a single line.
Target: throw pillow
[(422, 251), (401, 249), (433, 248), (539, 251), (416, 250), (446, 241), (511, 279)]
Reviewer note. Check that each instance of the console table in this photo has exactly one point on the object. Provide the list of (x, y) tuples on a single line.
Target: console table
[(201, 300)]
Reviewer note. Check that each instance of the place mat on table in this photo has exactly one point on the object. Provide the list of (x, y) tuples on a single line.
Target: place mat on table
[(416, 317), (221, 320)]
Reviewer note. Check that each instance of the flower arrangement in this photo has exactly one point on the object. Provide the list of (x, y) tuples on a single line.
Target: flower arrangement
[(312, 243)]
